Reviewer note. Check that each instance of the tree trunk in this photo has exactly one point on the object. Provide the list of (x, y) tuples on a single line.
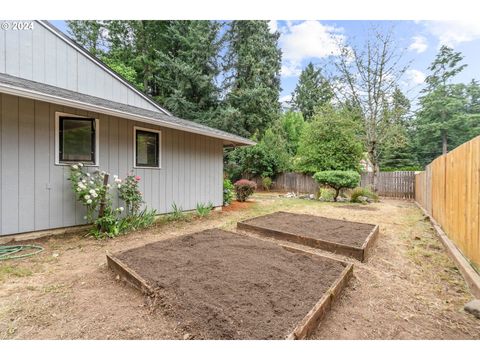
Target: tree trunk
[(444, 142), (337, 192), (375, 168)]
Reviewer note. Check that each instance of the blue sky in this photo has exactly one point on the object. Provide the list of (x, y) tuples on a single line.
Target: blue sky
[(314, 40)]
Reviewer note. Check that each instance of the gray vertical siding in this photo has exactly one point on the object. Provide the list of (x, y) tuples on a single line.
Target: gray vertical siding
[(35, 194), (41, 55)]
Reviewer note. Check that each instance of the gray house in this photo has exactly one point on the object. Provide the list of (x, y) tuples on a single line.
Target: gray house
[(54, 95)]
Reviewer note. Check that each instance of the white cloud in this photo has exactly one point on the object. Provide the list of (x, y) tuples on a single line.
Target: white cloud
[(419, 44), (285, 99), (309, 39), (291, 68), (454, 32), (273, 26), (414, 77)]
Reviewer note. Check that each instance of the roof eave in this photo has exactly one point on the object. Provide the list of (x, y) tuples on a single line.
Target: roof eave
[(35, 95)]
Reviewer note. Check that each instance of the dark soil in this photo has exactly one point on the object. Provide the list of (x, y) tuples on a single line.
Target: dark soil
[(223, 285), (315, 227)]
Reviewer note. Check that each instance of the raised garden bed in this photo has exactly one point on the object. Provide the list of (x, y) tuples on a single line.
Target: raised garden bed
[(338, 236), (222, 285)]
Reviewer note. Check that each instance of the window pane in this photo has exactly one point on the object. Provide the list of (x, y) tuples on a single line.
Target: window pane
[(77, 140), (147, 148)]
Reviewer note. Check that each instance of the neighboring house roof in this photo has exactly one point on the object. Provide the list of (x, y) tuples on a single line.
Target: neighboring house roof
[(43, 92), (100, 63)]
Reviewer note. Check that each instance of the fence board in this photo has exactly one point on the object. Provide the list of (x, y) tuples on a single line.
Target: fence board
[(449, 190), (395, 184), (398, 184)]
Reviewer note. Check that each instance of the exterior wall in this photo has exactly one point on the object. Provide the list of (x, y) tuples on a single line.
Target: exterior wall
[(40, 55), (36, 195)]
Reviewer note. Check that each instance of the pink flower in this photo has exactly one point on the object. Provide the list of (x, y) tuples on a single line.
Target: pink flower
[(138, 178)]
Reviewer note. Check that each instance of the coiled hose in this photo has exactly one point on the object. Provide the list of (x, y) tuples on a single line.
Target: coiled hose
[(8, 252)]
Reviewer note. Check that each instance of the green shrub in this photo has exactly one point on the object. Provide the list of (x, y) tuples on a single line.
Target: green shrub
[(365, 192), (204, 209), (268, 158), (325, 194), (329, 142), (110, 225), (338, 180), (244, 188), (267, 183), (228, 192), (141, 220)]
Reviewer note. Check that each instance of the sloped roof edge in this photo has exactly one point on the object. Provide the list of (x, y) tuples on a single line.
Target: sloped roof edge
[(48, 93)]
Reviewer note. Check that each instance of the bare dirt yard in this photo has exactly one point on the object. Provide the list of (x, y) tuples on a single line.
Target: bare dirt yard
[(407, 289)]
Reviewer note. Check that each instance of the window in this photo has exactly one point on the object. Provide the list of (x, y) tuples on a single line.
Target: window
[(76, 139), (147, 148)]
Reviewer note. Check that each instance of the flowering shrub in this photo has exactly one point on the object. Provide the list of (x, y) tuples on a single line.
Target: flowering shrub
[(88, 188), (90, 191), (244, 188), (128, 191)]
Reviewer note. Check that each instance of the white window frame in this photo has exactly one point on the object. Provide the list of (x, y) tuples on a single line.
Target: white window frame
[(57, 139), (159, 132)]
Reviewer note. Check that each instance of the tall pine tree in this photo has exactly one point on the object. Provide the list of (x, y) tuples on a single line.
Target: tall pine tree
[(176, 62), (444, 120), (312, 91), (252, 81)]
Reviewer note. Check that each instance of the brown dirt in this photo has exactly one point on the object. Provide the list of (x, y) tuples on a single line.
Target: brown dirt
[(315, 227), (408, 289), (222, 285), (237, 205)]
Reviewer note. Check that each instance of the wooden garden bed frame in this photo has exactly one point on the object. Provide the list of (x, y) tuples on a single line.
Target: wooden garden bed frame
[(303, 329), (360, 253)]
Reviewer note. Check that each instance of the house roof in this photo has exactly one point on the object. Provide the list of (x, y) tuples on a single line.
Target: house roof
[(99, 63), (43, 92)]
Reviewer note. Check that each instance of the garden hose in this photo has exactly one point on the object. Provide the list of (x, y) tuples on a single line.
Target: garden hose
[(8, 252)]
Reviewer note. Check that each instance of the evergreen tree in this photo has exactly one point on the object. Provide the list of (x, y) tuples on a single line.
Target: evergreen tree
[(176, 62), (448, 114), (312, 91), (136, 44), (190, 67), (88, 33), (252, 81)]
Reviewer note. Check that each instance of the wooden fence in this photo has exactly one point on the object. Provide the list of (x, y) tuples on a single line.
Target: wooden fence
[(293, 182), (395, 184), (448, 190), (398, 184)]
